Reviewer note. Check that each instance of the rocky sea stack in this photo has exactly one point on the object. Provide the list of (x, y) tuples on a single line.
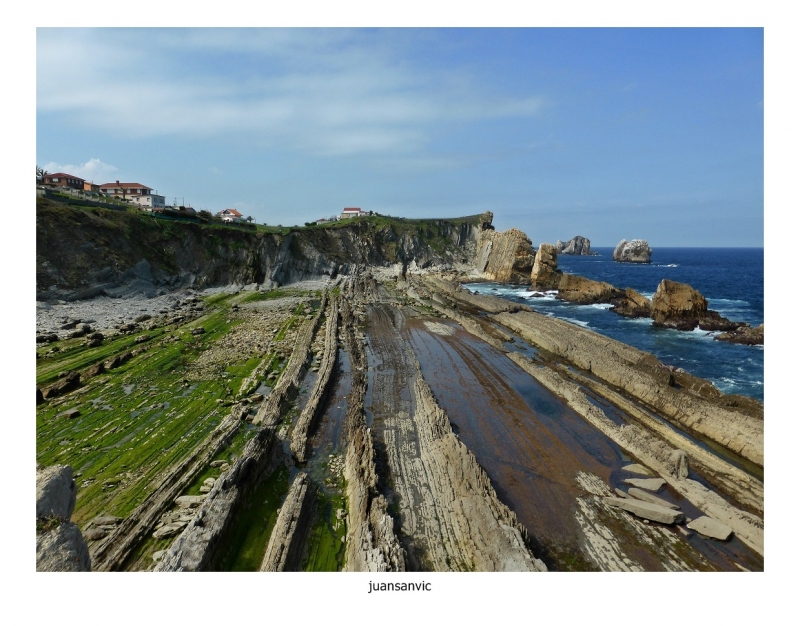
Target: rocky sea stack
[(577, 245), (636, 251)]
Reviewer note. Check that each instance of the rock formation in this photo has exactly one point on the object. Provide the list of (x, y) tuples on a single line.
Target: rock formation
[(580, 290), (505, 257), (636, 251), (679, 306), (545, 274), (60, 547), (750, 336), (577, 245), (632, 304)]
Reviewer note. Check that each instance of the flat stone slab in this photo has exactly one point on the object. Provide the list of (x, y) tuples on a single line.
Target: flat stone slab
[(187, 502), (651, 484), (106, 520), (635, 468), (620, 493), (710, 528), (641, 494), (646, 510), (168, 531)]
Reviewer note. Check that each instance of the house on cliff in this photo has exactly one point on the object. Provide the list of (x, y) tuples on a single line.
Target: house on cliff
[(231, 216), (61, 179), (136, 193), (352, 212)]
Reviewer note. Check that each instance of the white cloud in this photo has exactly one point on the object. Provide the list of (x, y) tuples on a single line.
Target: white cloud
[(324, 92), (93, 170)]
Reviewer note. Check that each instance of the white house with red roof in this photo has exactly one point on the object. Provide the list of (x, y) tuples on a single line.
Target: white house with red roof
[(352, 212), (136, 193), (230, 215)]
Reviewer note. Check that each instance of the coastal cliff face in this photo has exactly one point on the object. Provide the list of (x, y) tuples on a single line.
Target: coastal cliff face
[(636, 251), (82, 253), (505, 257)]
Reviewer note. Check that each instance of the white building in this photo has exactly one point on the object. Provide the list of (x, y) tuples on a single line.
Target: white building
[(352, 212)]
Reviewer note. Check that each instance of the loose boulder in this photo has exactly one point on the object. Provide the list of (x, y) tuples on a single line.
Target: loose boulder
[(70, 382), (651, 484), (679, 464), (55, 492), (641, 494), (636, 251), (581, 290), (710, 528), (646, 510)]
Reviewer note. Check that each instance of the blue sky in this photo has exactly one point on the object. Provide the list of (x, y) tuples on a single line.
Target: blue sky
[(606, 133)]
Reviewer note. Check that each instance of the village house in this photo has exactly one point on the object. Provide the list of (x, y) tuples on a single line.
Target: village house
[(136, 193), (91, 187), (352, 212), (230, 216), (64, 180)]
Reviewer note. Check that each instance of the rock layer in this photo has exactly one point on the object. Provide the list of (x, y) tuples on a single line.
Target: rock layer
[(545, 274), (505, 257)]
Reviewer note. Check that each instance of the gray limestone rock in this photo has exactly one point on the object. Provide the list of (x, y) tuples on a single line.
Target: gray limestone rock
[(641, 494), (679, 464), (652, 484), (646, 510), (62, 549), (635, 468), (55, 492), (710, 528)]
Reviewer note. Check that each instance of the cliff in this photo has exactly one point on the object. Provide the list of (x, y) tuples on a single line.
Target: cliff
[(506, 257), (85, 252)]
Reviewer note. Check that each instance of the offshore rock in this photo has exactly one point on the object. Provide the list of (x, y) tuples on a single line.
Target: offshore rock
[(545, 274), (632, 304), (577, 245), (636, 251), (581, 290), (679, 306), (745, 335), (505, 257)]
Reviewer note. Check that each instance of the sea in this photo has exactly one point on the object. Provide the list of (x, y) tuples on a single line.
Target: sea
[(731, 279)]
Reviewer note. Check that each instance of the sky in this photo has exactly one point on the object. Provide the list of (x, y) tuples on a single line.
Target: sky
[(627, 133)]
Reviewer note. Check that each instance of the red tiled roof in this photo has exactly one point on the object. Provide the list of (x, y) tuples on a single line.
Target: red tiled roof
[(125, 185), (230, 212), (352, 210), (60, 174)]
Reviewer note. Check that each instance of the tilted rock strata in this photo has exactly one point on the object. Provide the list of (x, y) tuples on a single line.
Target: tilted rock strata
[(198, 545), (643, 445), (545, 274), (286, 539), (641, 375), (306, 420), (449, 513), (635, 251), (372, 545), (505, 257)]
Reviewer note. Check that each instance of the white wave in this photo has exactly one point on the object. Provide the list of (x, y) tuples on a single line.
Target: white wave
[(578, 322), (667, 265), (601, 306), (728, 301)]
